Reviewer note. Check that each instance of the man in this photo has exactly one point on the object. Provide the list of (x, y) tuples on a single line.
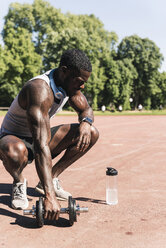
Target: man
[(26, 133)]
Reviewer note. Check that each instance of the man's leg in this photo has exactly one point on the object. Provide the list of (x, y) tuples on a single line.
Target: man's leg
[(14, 156), (66, 138)]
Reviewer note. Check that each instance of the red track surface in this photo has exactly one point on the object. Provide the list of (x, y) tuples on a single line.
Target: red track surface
[(136, 147)]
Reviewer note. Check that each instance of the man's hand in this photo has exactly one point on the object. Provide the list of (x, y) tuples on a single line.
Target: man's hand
[(85, 136), (52, 208)]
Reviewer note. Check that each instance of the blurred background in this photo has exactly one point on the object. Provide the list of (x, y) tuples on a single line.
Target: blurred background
[(125, 41)]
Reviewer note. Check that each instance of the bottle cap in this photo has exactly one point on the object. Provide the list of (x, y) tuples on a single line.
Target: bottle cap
[(111, 171)]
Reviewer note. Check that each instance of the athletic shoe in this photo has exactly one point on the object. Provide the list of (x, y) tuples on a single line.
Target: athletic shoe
[(61, 194), (19, 195)]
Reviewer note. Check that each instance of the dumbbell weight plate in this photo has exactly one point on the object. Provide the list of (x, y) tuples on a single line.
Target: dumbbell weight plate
[(39, 212), (72, 210)]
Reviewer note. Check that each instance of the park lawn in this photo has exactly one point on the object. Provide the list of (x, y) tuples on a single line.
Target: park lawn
[(2, 113), (96, 113), (144, 112)]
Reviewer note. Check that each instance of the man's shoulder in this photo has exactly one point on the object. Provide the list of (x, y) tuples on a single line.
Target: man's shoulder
[(44, 77), (36, 84), (35, 92)]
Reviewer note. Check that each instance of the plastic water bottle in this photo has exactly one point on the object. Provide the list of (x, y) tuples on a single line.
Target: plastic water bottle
[(111, 186)]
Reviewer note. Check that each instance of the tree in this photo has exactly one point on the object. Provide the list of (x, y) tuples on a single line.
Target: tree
[(21, 62), (146, 58), (159, 97), (60, 32), (53, 32), (119, 84), (35, 36)]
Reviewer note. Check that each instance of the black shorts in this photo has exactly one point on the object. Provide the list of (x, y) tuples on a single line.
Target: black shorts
[(28, 141)]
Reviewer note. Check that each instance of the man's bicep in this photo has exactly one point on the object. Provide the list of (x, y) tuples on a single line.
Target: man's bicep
[(39, 101), (81, 106), (79, 102), (39, 123)]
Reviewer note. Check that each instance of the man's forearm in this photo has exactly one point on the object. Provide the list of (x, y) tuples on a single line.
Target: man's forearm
[(86, 113), (43, 164)]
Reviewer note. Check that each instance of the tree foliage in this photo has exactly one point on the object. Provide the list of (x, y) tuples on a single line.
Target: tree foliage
[(146, 58), (35, 36)]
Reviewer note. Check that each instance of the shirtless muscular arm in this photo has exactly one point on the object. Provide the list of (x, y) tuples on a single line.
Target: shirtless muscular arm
[(36, 97)]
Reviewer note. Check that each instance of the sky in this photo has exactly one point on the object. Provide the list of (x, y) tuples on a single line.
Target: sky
[(146, 18)]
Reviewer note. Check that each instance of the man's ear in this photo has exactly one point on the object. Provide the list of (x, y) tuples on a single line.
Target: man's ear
[(63, 72), (64, 69)]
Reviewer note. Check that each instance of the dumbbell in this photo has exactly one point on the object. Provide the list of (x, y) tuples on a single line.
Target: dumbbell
[(72, 210)]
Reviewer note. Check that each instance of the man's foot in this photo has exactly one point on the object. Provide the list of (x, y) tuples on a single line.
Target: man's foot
[(19, 195), (59, 191)]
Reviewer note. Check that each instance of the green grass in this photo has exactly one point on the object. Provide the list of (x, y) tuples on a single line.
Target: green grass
[(3, 112), (146, 112), (100, 113), (96, 113)]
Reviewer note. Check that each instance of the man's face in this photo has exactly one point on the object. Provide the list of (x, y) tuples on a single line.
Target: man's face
[(73, 83)]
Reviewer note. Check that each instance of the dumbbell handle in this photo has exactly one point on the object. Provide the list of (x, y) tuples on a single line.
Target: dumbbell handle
[(78, 210), (62, 210), (30, 211)]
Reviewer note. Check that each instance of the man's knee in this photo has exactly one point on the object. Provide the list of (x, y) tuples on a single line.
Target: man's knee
[(94, 135), (14, 151)]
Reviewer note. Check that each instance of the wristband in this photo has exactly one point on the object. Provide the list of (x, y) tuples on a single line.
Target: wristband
[(87, 119)]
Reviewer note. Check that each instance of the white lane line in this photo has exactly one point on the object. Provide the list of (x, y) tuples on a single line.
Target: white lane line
[(116, 144)]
